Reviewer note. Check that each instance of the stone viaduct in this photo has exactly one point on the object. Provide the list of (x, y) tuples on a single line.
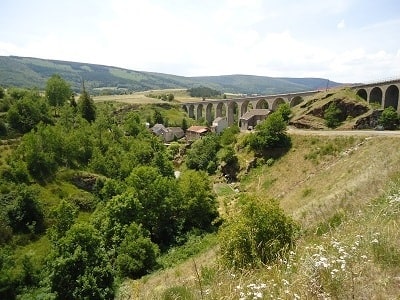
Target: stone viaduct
[(384, 94)]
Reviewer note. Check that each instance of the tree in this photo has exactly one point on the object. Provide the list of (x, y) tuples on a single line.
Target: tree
[(43, 151), (200, 205), (79, 267), (228, 136), (271, 133), (284, 110), (137, 253), (203, 154), (58, 91), (161, 201), (389, 118), (332, 115), (27, 112), (258, 234), (25, 214), (86, 106), (64, 217), (158, 118), (184, 124)]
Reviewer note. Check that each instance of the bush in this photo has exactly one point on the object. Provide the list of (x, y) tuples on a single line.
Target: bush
[(203, 154), (332, 115), (389, 118), (271, 133), (137, 253), (26, 214), (258, 235)]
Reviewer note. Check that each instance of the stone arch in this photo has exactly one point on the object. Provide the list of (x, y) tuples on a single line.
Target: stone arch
[(209, 113), (185, 109), (232, 112), (199, 111), (363, 94), (262, 103), (277, 102), (296, 101), (219, 110), (392, 97), (191, 111), (375, 95), (244, 107)]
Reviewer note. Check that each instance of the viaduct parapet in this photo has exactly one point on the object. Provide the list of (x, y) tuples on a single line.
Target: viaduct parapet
[(384, 94)]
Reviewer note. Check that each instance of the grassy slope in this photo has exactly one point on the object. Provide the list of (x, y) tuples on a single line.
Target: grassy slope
[(327, 184)]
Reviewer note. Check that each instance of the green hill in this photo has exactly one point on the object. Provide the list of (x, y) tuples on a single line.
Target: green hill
[(34, 72)]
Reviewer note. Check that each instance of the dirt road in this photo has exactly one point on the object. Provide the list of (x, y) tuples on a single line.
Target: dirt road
[(394, 133)]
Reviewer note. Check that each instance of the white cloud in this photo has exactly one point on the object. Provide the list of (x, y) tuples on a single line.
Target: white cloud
[(256, 37), (341, 24)]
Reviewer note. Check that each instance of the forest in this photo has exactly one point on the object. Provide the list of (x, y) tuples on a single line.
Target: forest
[(90, 197)]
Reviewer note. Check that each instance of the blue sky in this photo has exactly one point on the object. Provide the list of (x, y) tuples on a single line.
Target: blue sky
[(342, 40)]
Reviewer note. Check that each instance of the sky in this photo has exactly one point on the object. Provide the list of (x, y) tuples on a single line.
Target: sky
[(345, 41)]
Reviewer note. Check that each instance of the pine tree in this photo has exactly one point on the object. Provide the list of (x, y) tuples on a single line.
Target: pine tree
[(86, 105)]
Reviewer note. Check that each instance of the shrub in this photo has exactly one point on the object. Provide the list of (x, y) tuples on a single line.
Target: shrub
[(259, 234), (332, 115), (137, 253), (389, 118), (269, 134)]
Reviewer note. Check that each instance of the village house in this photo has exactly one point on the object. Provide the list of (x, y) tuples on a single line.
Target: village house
[(219, 124), (196, 132), (251, 118), (167, 134)]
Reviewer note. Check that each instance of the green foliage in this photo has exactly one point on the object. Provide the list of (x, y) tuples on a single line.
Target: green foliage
[(269, 134), (332, 115), (86, 106), (9, 279), (259, 234), (42, 151), (285, 111), (184, 125), (389, 118), (58, 92), (164, 96), (2, 93), (204, 92), (228, 136), (229, 163), (203, 154), (26, 113), (25, 214), (64, 217), (200, 204), (194, 245), (161, 201), (80, 267), (136, 253), (3, 128), (118, 213), (158, 118), (133, 125)]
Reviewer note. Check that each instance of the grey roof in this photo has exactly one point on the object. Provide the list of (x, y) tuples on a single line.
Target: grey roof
[(219, 119), (255, 112), (158, 128)]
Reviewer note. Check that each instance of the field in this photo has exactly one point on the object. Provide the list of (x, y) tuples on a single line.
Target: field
[(180, 95)]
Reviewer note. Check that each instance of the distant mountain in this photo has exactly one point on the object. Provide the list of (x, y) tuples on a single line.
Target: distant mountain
[(34, 72)]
